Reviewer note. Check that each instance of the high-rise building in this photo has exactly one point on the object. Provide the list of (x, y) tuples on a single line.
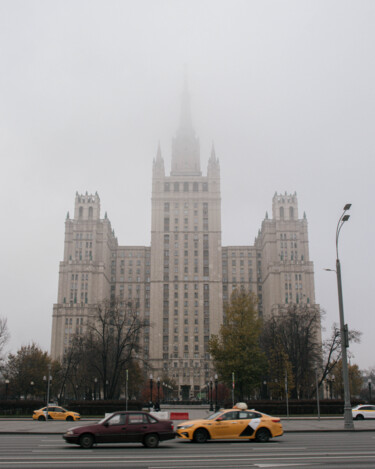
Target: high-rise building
[(179, 284)]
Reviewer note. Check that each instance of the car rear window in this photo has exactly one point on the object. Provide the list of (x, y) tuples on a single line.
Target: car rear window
[(137, 418)]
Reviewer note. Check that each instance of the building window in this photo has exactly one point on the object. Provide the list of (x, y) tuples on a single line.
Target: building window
[(186, 187), (176, 186)]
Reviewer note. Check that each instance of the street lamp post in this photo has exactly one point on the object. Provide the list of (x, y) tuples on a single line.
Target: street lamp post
[(126, 388), (211, 403), (6, 389), (348, 418), (151, 386), (95, 383), (49, 377), (216, 404), (158, 387), (369, 389)]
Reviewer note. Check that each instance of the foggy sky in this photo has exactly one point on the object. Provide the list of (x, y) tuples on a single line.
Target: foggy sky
[(284, 89)]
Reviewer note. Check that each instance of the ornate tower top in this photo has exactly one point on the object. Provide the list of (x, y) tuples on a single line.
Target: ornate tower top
[(87, 206), (185, 145), (285, 206)]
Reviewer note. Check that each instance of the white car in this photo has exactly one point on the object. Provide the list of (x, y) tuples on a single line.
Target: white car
[(364, 411)]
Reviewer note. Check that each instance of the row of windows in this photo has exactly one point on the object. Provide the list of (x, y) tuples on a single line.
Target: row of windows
[(288, 286), (83, 276), (296, 277), (292, 236), (84, 236), (284, 244), (234, 262), (241, 254), (131, 254), (185, 186), (293, 256), (176, 205)]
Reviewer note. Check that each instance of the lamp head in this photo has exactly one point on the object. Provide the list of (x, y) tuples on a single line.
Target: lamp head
[(345, 217), (347, 207)]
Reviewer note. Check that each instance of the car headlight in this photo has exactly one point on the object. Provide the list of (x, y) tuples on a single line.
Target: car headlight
[(69, 432), (182, 427)]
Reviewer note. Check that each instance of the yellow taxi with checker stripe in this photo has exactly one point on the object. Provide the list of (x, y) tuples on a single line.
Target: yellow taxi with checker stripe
[(237, 423)]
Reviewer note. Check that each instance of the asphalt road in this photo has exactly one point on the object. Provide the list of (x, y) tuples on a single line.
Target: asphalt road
[(295, 450)]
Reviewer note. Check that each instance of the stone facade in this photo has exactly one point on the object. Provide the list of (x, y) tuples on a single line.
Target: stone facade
[(180, 282)]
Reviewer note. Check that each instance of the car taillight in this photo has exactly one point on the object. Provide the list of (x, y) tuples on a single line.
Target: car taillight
[(276, 420), (172, 426)]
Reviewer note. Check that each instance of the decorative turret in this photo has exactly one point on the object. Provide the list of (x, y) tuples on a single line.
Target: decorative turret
[(158, 164), (213, 169), (285, 207), (87, 207)]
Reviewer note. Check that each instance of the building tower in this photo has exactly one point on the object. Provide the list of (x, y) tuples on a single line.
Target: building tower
[(186, 279), (287, 274), (84, 275)]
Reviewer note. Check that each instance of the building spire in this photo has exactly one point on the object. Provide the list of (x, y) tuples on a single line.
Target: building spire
[(158, 166), (185, 145), (186, 125)]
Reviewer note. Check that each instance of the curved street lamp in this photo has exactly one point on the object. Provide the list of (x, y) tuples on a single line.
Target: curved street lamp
[(348, 417)]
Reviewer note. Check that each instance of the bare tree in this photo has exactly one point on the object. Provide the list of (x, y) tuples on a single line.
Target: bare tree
[(294, 336), (4, 333), (112, 341), (332, 350)]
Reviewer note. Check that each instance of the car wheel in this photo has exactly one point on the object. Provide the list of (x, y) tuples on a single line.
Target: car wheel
[(151, 440), (200, 435), (41, 418), (69, 418), (359, 417), (262, 435), (86, 441)]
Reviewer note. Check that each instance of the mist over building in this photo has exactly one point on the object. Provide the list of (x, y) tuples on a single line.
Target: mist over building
[(180, 282)]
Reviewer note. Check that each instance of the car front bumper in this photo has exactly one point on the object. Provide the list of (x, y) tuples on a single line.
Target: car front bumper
[(72, 439)]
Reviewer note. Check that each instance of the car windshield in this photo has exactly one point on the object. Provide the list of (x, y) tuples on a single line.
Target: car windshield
[(105, 418), (213, 416)]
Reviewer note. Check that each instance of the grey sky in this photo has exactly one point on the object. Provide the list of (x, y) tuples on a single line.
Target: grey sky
[(285, 89)]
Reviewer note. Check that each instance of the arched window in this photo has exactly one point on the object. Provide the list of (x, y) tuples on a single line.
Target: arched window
[(91, 212), (281, 212), (291, 213), (80, 213)]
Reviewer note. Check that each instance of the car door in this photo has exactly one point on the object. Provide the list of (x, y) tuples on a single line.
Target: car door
[(248, 423), (137, 426), (225, 425), (368, 411), (112, 430), (51, 412), (58, 413)]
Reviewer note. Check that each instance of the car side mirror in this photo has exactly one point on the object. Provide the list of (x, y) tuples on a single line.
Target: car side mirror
[(106, 424), (219, 419)]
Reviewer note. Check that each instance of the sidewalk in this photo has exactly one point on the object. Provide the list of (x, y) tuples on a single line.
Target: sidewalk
[(294, 424)]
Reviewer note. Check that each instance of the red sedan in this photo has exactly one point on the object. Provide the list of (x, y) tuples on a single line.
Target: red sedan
[(122, 427)]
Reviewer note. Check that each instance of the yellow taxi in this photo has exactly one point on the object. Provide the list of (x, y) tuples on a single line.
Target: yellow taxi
[(237, 423), (55, 413)]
